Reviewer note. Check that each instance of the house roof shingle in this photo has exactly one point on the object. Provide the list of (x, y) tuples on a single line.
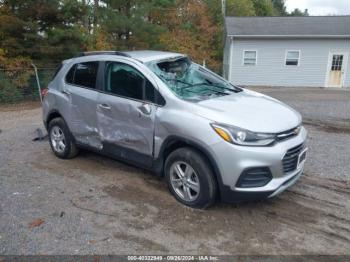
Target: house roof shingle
[(288, 26)]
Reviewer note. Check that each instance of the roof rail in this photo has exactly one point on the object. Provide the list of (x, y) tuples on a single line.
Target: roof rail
[(102, 53)]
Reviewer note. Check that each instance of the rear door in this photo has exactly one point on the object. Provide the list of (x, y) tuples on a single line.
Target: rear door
[(126, 113), (81, 89)]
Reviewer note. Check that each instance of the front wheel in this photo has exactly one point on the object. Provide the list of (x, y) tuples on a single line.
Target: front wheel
[(190, 179)]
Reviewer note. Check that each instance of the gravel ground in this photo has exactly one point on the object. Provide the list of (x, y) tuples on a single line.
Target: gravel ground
[(94, 205)]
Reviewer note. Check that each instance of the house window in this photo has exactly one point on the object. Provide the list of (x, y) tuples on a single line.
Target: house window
[(292, 58), (249, 57)]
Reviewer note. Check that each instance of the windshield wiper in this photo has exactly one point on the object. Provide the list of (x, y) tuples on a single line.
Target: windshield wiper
[(217, 86), (211, 89), (176, 80)]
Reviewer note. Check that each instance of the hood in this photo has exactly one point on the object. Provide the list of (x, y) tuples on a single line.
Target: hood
[(249, 110)]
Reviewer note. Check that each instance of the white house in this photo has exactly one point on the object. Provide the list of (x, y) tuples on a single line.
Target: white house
[(288, 51)]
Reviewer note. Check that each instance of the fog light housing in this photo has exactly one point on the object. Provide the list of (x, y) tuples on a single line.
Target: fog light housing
[(254, 177)]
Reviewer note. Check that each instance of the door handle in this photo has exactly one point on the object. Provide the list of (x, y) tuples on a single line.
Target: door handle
[(145, 109), (104, 106), (66, 92)]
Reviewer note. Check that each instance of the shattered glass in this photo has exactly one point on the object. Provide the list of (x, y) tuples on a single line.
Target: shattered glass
[(191, 81)]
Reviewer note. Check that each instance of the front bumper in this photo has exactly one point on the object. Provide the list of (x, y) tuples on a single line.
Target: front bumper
[(232, 160), (231, 196)]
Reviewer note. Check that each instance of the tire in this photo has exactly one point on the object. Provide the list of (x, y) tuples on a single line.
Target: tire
[(198, 189), (61, 140)]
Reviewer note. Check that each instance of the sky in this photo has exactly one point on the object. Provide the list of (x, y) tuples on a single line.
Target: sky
[(321, 7)]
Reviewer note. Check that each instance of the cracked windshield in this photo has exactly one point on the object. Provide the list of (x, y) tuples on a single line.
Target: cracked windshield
[(191, 81)]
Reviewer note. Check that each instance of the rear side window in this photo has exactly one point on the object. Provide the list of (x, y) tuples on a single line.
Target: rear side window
[(56, 71), (70, 76), (83, 74)]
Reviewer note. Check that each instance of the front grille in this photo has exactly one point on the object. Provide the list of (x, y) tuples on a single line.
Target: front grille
[(290, 160)]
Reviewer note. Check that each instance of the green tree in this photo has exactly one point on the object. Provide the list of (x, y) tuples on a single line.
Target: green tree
[(280, 7), (298, 12), (192, 28), (264, 8), (129, 25), (215, 13), (41, 29), (17, 35), (240, 8)]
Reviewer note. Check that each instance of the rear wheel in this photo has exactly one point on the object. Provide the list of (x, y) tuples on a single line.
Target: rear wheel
[(190, 179), (61, 140)]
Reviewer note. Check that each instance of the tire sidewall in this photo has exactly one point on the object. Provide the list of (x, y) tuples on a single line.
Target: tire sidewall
[(204, 172)]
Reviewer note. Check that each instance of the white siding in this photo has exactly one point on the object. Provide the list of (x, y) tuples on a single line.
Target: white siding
[(271, 70)]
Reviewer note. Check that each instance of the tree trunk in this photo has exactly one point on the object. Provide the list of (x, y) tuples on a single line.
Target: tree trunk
[(95, 19)]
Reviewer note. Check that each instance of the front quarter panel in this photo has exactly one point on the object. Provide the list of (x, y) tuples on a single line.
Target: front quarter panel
[(179, 121)]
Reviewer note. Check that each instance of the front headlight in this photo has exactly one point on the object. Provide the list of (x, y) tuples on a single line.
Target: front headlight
[(243, 137)]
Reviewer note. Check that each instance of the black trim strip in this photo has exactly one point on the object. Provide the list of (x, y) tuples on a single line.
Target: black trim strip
[(118, 53), (122, 154)]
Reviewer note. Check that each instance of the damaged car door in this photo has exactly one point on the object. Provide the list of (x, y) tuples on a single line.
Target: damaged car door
[(126, 114), (81, 90)]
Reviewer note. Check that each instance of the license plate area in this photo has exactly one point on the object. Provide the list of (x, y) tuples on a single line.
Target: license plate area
[(302, 158)]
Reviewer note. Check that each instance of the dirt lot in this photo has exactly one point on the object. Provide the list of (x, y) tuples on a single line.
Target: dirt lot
[(96, 205)]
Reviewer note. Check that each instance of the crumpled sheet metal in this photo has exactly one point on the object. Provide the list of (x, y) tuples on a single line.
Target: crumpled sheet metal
[(124, 126), (85, 133)]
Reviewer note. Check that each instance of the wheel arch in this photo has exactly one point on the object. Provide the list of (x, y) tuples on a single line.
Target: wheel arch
[(51, 115), (173, 143)]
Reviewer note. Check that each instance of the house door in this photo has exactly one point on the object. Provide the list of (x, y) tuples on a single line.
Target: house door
[(336, 70)]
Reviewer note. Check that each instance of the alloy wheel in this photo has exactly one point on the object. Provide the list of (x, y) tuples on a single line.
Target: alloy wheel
[(184, 181), (58, 139)]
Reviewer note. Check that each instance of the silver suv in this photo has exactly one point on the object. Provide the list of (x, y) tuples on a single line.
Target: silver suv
[(162, 112)]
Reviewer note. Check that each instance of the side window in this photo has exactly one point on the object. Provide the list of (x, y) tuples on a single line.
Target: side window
[(70, 75), (83, 74), (58, 69), (249, 58), (86, 74), (124, 80), (292, 58)]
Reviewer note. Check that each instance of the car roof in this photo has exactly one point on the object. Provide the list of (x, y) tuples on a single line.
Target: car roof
[(150, 55), (144, 56)]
